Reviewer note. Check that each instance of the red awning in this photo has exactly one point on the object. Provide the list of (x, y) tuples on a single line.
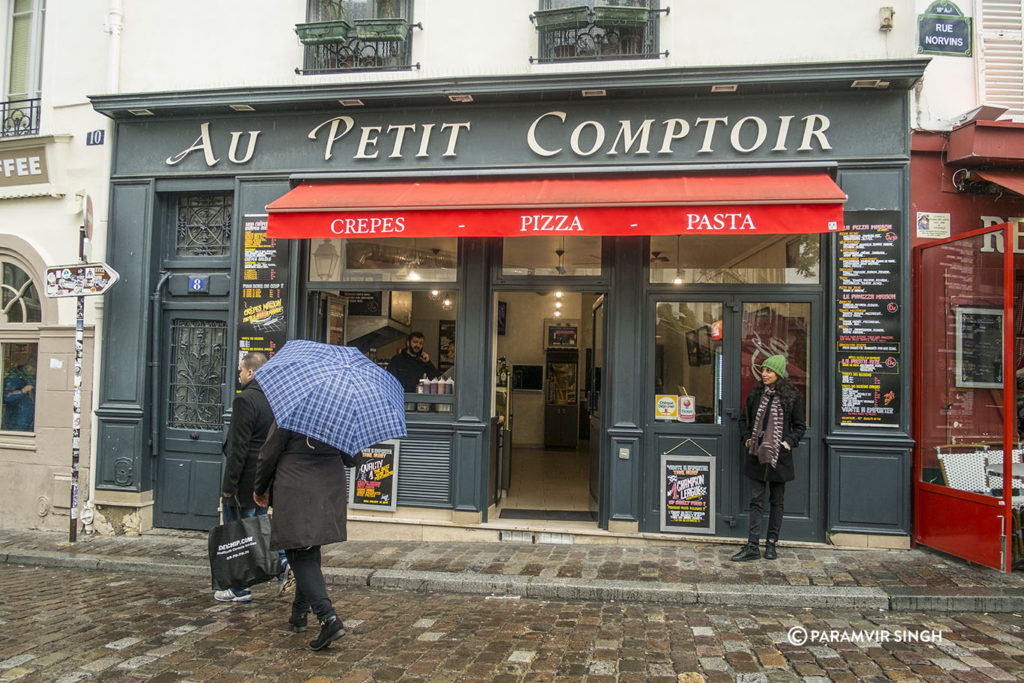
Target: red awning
[(726, 205), (1011, 180)]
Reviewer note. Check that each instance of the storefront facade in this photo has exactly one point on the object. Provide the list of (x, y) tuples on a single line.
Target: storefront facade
[(967, 193), (690, 235)]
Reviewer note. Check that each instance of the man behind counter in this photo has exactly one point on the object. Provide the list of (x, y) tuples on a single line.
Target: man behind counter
[(410, 364)]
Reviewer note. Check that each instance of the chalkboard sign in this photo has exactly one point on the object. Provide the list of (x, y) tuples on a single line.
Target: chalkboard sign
[(870, 311), (688, 494), (979, 348), (374, 481)]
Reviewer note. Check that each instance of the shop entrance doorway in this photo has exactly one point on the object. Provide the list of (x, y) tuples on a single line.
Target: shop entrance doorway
[(706, 358), (548, 354)]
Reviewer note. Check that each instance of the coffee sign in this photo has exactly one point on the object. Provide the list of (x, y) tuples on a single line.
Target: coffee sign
[(23, 167)]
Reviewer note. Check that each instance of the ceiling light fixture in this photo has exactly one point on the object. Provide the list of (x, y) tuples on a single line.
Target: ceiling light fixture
[(593, 92), (242, 107), (353, 102), (724, 87), (558, 295), (140, 112), (460, 98)]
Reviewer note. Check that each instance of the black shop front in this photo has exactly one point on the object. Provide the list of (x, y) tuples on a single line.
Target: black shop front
[(595, 282)]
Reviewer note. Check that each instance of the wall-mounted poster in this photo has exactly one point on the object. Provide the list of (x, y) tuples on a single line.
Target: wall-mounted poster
[(979, 348), (336, 308), (364, 303), (688, 494), (263, 293), (445, 344), (502, 316), (560, 336), (401, 307), (373, 484)]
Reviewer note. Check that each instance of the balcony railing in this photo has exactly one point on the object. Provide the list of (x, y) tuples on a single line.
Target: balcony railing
[(371, 44), (19, 117), (586, 33)]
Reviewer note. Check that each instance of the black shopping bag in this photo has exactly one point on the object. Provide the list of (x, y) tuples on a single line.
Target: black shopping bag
[(240, 554)]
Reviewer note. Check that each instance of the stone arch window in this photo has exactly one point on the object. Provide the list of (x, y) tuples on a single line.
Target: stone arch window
[(19, 297)]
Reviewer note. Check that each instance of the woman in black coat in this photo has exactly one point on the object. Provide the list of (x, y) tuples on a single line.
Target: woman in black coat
[(771, 427), (305, 480)]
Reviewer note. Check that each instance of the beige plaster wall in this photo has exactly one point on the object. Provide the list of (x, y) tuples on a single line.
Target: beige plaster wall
[(35, 468)]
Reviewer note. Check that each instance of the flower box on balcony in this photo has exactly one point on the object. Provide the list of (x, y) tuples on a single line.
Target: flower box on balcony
[(318, 32), (382, 29), (634, 17), (561, 18)]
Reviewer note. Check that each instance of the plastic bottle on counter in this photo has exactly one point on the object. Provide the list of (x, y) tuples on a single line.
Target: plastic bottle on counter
[(421, 386), (449, 386)]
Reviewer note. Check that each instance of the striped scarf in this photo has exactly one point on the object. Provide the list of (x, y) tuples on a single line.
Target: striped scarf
[(766, 441)]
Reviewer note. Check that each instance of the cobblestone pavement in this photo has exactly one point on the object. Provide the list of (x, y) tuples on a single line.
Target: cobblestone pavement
[(685, 562), (71, 625)]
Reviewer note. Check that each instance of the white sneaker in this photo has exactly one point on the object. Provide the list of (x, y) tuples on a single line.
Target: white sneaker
[(230, 595), (286, 582)]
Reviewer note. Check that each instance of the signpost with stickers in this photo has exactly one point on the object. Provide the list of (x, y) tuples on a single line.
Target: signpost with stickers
[(78, 280)]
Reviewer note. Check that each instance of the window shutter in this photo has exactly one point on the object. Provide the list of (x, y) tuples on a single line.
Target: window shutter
[(1001, 63)]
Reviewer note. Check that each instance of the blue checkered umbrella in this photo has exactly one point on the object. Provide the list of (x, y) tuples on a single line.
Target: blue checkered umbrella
[(333, 394)]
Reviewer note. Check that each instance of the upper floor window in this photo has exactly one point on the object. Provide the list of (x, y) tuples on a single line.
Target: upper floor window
[(597, 29), (19, 298), (203, 225), (356, 35), (20, 108)]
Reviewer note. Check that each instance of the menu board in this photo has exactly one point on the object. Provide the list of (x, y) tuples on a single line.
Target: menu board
[(261, 320), (868, 296), (979, 348), (374, 482), (688, 494)]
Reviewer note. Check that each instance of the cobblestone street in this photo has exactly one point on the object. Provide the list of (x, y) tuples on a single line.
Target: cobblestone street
[(72, 625)]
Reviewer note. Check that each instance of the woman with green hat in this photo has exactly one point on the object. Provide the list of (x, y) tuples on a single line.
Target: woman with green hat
[(771, 427)]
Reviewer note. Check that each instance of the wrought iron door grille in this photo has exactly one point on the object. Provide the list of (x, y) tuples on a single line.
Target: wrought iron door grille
[(19, 117), (203, 226), (197, 369), (598, 32)]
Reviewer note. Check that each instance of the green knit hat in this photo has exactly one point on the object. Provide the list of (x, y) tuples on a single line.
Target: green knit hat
[(776, 364)]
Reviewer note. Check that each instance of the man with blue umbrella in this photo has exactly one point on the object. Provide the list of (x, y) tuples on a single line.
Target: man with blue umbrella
[(328, 401)]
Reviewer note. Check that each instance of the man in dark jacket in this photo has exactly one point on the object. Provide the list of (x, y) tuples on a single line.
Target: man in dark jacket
[(251, 418), (411, 363)]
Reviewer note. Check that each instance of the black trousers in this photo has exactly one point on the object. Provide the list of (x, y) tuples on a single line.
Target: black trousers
[(777, 490), (310, 587)]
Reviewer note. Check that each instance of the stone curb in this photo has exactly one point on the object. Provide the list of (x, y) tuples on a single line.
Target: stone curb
[(756, 595), (914, 599), (895, 599)]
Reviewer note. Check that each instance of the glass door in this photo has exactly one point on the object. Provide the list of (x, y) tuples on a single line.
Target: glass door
[(706, 358)]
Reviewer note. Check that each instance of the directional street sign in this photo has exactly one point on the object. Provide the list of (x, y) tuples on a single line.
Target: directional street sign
[(80, 279)]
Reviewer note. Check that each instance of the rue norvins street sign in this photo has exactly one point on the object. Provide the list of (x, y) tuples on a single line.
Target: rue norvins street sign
[(80, 279)]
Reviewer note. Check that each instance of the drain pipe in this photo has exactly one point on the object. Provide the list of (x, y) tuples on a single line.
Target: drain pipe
[(154, 365)]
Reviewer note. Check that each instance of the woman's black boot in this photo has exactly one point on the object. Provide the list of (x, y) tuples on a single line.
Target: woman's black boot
[(331, 629), (298, 622), (748, 552)]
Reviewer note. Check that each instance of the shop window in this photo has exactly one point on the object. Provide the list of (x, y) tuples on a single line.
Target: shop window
[(19, 373), (356, 35), (712, 259), (203, 225), (962, 342), (559, 256), (20, 108), (597, 29), (20, 300), (383, 260), (380, 322), (686, 358)]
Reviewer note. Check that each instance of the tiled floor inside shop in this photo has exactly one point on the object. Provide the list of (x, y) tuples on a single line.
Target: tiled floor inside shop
[(549, 479)]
